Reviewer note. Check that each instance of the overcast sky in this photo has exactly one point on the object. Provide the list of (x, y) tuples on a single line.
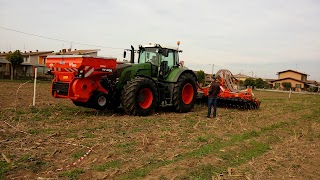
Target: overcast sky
[(258, 37)]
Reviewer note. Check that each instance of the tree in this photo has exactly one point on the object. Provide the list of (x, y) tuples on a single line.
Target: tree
[(15, 58), (241, 83), (201, 76), (261, 83), (249, 82), (286, 85)]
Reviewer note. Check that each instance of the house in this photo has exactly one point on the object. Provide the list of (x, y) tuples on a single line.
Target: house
[(241, 77), (89, 52), (313, 86), (4, 67), (31, 60), (297, 79)]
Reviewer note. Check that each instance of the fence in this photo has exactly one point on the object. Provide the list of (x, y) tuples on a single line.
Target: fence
[(41, 76), (293, 92)]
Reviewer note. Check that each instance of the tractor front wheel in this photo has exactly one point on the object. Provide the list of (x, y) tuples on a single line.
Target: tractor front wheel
[(139, 97), (99, 100), (184, 93)]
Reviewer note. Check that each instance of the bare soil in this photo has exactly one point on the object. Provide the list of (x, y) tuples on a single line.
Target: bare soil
[(56, 139)]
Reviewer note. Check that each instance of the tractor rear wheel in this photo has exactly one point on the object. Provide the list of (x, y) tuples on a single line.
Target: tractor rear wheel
[(139, 97), (184, 93)]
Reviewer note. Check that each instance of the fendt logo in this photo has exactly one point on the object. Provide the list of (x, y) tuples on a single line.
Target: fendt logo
[(106, 70)]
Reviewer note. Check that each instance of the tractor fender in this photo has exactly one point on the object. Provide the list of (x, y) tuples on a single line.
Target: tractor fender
[(150, 79), (175, 74)]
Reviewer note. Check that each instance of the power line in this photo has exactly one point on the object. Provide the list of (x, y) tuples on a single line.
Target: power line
[(56, 39)]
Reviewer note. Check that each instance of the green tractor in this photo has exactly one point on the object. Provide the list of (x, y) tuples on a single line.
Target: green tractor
[(157, 79)]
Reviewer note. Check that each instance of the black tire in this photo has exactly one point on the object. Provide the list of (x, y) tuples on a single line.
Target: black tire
[(99, 101), (186, 103), (139, 97)]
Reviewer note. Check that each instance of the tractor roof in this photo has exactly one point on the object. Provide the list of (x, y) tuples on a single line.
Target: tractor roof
[(151, 45)]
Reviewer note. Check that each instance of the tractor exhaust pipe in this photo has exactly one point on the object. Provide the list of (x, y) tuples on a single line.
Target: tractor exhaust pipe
[(132, 55)]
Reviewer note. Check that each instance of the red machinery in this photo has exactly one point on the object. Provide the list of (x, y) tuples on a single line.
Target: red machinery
[(229, 95), (78, 77)]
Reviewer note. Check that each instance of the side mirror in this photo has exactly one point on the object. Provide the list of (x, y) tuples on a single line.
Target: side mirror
[(124, 54), (164, 52)]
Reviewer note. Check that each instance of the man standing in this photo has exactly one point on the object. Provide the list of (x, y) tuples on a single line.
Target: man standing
[(214, 90)]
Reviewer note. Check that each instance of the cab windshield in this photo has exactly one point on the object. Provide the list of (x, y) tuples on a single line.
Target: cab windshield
[(151, 55)]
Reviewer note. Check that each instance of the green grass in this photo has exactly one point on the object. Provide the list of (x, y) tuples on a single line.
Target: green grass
[(4, 168), (89, 135), (202, 139), (108, 165), (73, 174), (30, 162), (34, 131), (25, 158), (78, 154)]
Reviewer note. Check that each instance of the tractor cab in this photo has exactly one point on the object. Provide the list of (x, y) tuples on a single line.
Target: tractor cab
[(162, 59)]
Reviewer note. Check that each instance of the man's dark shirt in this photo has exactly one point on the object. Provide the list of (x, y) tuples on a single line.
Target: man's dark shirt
[(214, 90)]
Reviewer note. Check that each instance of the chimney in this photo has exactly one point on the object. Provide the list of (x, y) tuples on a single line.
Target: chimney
[(64, 50), (25, 51), (37, 50), (30, 51), (69, 50), (75, 49)]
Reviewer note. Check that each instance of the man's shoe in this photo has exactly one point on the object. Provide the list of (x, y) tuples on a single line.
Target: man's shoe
[(208, 116)]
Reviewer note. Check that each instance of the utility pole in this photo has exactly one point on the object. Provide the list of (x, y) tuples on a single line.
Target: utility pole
[(212, 69)]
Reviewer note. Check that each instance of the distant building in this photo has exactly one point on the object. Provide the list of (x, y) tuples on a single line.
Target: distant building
[(4, 67), (31, 60), (89, 52), (241, 77), (297, 79)]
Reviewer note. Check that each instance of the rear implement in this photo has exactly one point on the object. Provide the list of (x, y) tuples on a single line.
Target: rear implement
[(230, 95)]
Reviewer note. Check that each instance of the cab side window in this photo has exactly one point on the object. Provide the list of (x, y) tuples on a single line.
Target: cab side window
[(170, 59)]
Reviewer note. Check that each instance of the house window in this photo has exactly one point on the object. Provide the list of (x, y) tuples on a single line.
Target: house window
[(298, 85), (277, 84), (25, 59)]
